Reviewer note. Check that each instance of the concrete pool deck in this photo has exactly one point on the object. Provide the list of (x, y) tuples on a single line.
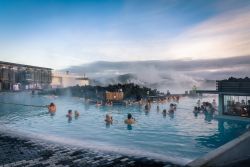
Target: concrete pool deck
[(18, 152)]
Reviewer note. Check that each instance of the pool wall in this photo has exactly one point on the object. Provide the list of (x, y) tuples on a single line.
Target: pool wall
[(232, 152), (233, 118)]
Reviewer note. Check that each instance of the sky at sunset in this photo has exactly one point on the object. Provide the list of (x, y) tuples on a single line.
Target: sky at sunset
[(64, 33)]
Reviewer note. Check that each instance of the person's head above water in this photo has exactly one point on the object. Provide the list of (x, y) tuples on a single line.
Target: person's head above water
[(130, 120), (129, 116), (52, 107), (108, 116), (69, 111)]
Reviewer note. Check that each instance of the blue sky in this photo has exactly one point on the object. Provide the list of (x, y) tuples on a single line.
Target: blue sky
[(62, 33)]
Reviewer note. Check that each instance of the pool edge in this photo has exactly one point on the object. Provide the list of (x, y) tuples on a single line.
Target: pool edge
[(44, 142), (234, 151)]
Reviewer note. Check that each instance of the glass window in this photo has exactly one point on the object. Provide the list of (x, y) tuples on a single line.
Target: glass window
[(237, 106)]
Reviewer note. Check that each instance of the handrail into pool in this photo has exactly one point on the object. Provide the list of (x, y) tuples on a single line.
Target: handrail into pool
[(231, 152)]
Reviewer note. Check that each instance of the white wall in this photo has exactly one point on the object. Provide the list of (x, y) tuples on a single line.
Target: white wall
[(65, 80)]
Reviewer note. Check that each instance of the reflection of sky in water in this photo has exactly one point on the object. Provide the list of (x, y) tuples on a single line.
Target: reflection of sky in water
[(182, 134)]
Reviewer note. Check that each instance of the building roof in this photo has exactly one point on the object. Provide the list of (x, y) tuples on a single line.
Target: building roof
[(224, 93), (232, 79), (23, 65), (82, 78), (231, 86)]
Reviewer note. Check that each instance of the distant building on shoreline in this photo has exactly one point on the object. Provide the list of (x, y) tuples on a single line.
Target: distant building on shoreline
[(66, 79), (114, 96), (17, 77)]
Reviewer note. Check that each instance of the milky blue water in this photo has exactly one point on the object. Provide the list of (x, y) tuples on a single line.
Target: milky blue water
[(182, 136)]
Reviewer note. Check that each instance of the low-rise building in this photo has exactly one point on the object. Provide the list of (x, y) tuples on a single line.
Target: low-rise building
[(15, 76), (66, 79), (114, 96)]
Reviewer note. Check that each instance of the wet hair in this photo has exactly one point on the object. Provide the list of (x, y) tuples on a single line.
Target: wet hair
[(51, 104), (172, 105), (129, 116), (69, 111), (164, 110)]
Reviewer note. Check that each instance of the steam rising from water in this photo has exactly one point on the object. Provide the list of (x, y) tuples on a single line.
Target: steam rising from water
[(176, 75)]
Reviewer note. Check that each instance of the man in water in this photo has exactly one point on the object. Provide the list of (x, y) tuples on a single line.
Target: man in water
[(172, 108), (69, 113), (108, 119), (77, 114), (130, 120), (52, 108), (164, 113)]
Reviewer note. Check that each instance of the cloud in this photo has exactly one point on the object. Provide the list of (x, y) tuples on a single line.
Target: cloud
[(240, 62), (225, 35), (147, 34)]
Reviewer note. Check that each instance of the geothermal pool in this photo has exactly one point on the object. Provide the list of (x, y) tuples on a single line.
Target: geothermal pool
[(181, 137)]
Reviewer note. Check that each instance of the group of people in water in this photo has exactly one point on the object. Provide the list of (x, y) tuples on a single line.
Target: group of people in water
[(205, 107), (238, 108), (129, 121), (109, 119), (141, 102), (69, 115)]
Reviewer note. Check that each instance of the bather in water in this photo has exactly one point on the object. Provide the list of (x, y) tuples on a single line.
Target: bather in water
[(69, 115), (108, 119), (52, 108), (77, 114), (172, 108), (130, 120)]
